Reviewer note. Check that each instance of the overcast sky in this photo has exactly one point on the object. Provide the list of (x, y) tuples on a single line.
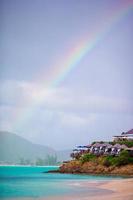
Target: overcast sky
[(94, 101)]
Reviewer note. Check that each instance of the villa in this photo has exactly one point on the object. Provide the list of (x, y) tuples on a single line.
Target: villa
[(105, 148), (99, 149), (124, 136)]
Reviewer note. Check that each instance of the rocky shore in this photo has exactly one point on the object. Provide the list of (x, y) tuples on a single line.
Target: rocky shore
[(76, 167)]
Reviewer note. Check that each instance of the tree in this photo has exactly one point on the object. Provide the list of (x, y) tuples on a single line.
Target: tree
[(40, 162)]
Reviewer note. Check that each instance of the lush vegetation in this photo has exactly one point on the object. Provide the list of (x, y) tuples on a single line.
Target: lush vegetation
[(87, 157), (128, 143), (123, 159), (109, 160), (48, 160)]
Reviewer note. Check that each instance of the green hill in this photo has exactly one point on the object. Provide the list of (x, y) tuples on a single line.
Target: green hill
[(14, 148)]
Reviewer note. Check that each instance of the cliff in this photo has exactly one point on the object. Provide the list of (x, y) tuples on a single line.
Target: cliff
[(94, 168)]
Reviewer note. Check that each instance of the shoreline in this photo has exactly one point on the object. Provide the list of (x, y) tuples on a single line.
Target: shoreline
[(30, 166), (115, 190), (92, 173), (121, 189)]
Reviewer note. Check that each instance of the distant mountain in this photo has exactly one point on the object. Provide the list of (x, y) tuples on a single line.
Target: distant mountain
[(14, 147), (63, 155)]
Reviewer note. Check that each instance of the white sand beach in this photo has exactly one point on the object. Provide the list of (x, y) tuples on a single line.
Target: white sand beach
[(119, 190), (115, 190)]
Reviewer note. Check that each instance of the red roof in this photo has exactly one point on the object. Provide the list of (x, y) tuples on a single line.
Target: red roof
[(129, 132)]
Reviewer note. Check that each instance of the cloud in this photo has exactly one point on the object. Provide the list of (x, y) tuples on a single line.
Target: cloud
[(31, 94), (72, 119), (39, 113)]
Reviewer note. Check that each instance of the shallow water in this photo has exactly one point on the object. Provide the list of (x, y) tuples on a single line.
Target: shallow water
[(21, 181)]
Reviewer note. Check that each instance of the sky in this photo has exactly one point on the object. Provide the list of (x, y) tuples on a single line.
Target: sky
[(94, 100)]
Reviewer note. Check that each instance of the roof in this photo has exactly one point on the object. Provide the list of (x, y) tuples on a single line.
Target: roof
[(75, 149), (123, 135), (89, 145), (81, 146), (117, 146), (96, 144), (131, 148), (100, 144), (105, 144), (129, 132), (123, 146), (109, 146)]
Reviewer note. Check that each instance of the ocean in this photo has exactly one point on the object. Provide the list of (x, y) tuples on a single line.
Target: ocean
[(30, 181)]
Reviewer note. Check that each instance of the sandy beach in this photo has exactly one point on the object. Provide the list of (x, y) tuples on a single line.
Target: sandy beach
[(116, 190), (110, 190)]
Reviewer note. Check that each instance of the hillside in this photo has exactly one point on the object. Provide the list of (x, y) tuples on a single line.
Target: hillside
[(13, 148), (76, 167), (94, 163)]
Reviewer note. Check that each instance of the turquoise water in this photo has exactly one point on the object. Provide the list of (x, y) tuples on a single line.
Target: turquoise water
[(19, 181)]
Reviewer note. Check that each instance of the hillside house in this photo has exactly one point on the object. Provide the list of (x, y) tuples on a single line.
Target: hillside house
[(124, 136)]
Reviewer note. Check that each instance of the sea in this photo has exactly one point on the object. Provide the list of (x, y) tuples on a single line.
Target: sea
[(34, 181)]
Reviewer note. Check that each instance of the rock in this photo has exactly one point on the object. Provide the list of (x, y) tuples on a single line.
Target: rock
[(77, 167)]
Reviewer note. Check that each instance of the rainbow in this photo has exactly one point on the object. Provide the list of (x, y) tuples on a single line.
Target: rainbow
[(70, 61)]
